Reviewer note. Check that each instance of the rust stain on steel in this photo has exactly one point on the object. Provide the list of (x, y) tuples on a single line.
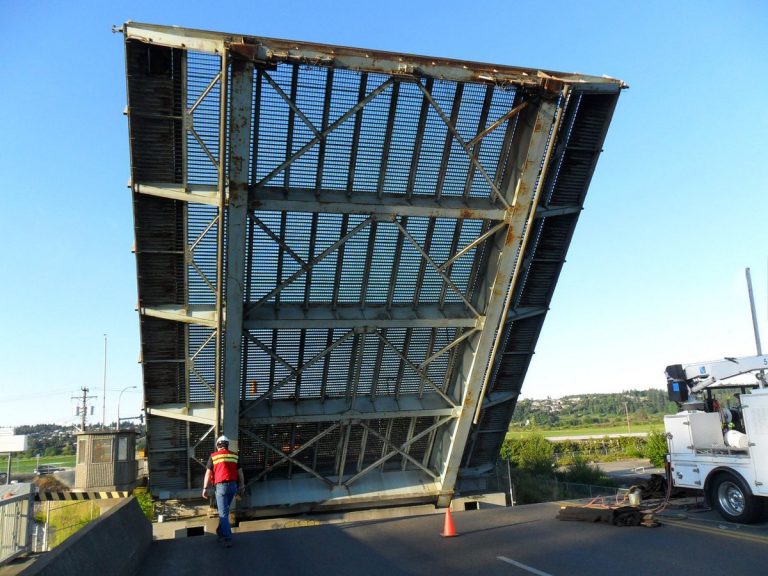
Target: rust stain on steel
[(247, 51), (410, 67), (467, 213), (511, 237), (237, 190), (553, 85)]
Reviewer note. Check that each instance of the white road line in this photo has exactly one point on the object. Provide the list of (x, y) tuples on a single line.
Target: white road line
[(523, 566)]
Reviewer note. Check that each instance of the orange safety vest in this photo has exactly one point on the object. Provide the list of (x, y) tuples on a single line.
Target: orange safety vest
[(224, 466)]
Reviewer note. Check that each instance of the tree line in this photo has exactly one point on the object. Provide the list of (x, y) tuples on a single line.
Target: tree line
[(578, 410), (54, 439)]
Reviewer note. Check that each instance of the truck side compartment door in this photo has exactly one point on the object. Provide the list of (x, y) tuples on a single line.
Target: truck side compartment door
[(755, 410), (686, 475)]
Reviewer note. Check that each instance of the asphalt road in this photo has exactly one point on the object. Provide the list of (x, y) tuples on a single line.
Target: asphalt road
[(511, 541)]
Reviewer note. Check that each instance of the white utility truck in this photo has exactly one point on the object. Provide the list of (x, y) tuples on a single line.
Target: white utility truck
[(722, 450)]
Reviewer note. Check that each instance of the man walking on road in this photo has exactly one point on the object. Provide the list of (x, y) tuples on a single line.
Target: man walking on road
[(224, 471)]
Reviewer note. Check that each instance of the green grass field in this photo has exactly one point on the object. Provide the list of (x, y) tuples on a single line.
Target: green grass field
[(66, 518), (28, 465), (585, 430)]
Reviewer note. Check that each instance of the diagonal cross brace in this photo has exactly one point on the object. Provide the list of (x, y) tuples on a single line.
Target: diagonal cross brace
[(274, 355), (275, 387), (303, 270), (403, 446), (292, 104), (204, 93), (476, 242), (308, 146), (292, 456), (475, 162), (447, 348), (437, 268), (277, 240), (496, 124), (422, 373), (396, 449), (284, 455)]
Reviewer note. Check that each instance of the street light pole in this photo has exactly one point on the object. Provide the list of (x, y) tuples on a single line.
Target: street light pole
[(117, 426), (104, 396)]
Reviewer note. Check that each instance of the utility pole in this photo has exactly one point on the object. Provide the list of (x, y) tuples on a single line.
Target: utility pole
[(626, 410), (83, 409)]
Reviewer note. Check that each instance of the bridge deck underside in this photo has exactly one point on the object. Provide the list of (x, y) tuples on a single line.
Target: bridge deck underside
[(363, 320)]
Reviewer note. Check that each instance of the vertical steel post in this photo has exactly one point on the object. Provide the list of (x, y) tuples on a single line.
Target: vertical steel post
[(218, 364), (754, 313), (187, 123), (761, 380), (47, 525), (241, 99), (475, 367)]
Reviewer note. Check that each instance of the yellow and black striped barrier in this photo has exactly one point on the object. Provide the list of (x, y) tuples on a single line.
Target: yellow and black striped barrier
[(59, 496)]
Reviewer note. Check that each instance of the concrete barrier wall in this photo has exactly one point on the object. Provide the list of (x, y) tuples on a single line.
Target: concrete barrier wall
[(115, 544)]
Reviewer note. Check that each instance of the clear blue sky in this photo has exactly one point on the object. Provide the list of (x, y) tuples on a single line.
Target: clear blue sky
[(655, 275)]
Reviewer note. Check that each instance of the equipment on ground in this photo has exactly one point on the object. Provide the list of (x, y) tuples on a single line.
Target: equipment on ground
[(720, 449)]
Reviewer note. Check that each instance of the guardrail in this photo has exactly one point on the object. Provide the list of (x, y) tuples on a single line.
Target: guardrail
[(16, 520)]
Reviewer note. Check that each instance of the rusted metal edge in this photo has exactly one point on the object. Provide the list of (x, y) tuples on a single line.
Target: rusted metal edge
[(271, 51)]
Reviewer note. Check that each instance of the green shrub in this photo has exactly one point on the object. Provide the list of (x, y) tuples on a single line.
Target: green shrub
[(582, 472), (533, 453), (531, 489), (144, 499), (656, 448)]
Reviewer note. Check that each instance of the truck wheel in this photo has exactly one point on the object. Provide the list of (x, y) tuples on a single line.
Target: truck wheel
[(731, 498)]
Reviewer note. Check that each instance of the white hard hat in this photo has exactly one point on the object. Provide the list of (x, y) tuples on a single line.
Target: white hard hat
[(222, 440)]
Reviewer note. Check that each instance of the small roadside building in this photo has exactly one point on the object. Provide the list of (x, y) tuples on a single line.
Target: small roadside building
[(106, 460)]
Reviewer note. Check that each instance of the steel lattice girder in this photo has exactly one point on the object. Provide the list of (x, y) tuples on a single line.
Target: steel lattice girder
[(345, 256)]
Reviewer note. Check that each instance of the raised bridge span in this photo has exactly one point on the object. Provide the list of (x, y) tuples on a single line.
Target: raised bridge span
[(344, 258)]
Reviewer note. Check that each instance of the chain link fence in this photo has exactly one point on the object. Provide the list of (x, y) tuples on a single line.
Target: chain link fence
[(57, 521), (527, 488)]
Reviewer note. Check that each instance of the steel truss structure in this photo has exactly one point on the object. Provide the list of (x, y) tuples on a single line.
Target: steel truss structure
[(344, 257)]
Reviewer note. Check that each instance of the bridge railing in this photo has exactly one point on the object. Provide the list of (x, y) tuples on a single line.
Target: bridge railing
[(16, 520)]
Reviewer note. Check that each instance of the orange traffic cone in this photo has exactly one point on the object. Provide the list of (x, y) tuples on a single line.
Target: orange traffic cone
[(448, 529)]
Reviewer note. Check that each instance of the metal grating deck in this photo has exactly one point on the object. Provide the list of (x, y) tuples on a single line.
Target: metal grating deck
[(344, 257)]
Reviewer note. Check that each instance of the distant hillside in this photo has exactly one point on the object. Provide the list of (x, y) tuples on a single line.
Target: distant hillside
[(593, 409), (54, 439)]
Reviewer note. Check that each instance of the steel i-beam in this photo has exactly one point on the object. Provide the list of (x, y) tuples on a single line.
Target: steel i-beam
[(237, 222), (532, 142)]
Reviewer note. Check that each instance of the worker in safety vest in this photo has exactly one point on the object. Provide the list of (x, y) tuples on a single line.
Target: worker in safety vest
[(224, 471)]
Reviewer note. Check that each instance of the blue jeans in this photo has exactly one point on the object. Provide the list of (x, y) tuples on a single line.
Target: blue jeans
[(225, 492)]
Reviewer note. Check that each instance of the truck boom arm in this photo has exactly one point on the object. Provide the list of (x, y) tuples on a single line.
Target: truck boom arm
[(701, 375)]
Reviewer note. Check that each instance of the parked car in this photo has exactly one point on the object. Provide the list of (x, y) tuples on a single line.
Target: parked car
[(44, 469)]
